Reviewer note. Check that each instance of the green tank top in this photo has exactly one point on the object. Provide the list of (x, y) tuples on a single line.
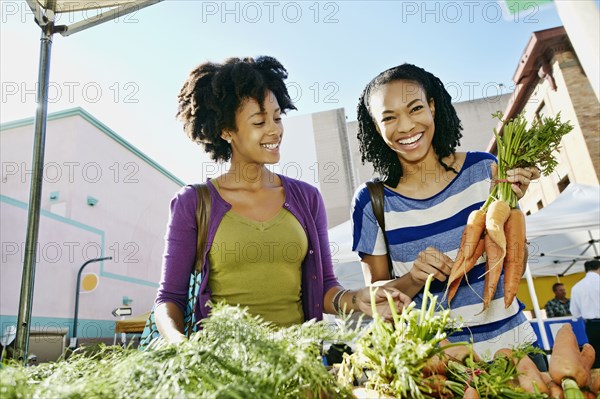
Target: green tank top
[(259, 265)]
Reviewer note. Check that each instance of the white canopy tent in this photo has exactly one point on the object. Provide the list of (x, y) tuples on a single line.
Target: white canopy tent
[(562, 236)]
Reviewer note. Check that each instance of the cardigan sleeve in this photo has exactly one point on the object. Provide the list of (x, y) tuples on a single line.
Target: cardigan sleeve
[(329, 279), (180, 249)]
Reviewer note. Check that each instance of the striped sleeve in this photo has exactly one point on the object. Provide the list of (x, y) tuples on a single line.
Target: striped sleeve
[(367, 237)]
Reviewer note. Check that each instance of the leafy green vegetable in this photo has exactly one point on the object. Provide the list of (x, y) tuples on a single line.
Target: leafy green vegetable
[(519, 147), (497, 379), (395, 353), (234, 356)]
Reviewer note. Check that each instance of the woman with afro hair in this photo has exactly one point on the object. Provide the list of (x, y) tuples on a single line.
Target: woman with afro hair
[(267, 234), (409, 131)]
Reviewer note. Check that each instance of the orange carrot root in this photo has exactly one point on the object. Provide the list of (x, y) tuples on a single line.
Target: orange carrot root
[(493, 270), (530, 378), (514, 262), (472, 233), (471, 393), (555, 391), (595, 381), (469, 244), (459, 353), (461, 270), (497, 214), (434, 366), (588, 355), (565, 361)]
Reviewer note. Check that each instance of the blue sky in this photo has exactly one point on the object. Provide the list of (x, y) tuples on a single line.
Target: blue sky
[(127, 73)]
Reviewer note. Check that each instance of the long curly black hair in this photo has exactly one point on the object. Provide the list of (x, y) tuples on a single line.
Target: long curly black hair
[(213, 93), (447, 125)]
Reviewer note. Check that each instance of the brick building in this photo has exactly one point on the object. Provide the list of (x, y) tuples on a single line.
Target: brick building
[(550, 79)]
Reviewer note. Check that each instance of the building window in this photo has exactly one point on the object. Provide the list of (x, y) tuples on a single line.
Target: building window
[(527, 213), (563, 183), (540, 204)]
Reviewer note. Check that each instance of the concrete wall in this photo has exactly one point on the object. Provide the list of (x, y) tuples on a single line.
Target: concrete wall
[(128, 223), (477, 122), (335, 171)]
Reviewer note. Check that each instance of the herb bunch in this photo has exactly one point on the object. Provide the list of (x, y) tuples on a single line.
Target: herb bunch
[(496, 379), (234, 356), (519, 147), (394, 354)]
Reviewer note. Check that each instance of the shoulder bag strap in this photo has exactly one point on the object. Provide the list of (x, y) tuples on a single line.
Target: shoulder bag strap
[(375, 188), (202, 217)]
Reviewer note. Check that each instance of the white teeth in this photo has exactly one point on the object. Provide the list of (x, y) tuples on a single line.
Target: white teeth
[(270, 146), (411, 140)]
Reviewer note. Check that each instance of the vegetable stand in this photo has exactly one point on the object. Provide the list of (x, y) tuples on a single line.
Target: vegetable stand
[(237, 355), (553, 325)]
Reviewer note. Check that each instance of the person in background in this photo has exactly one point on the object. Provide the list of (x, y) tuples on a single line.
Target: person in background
[(409, 131), (585, 303), (268, 248), (559, 305)]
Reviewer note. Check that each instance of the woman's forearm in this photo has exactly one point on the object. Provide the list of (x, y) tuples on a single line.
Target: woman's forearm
[(335, 300), (169, 321)]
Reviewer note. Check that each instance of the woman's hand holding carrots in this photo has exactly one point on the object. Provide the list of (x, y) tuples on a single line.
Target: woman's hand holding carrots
[(520, 179)]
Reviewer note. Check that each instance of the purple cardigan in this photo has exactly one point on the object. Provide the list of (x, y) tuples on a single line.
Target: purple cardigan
[(301, 199)]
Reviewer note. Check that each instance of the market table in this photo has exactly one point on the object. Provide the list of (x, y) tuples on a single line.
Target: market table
[(132, 325), (553, 324)]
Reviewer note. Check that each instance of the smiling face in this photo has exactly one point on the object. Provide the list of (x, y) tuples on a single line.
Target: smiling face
[(258, 134), (404, 116)]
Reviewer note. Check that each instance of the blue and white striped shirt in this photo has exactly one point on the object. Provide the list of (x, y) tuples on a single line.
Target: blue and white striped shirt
[(412, 225)]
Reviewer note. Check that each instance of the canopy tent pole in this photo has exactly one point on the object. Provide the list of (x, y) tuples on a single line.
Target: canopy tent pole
[(35, 193), (536, 308)]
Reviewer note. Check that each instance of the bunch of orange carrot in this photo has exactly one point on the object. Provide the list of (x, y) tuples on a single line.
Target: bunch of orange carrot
[(498, 227), (570, 375)]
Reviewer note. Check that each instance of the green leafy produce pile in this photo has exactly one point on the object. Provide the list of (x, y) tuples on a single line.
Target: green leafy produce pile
[(234, 356), (396, 353), (410, 358), (239, 356)]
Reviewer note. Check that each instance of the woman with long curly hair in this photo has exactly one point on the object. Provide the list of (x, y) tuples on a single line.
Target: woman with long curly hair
[(409, 131), (267, 234)]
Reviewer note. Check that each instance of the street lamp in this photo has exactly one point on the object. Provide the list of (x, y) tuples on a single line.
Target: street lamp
[(73, 343)]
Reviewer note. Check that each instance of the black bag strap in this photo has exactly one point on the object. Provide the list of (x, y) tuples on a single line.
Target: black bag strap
[(202, 218), (375, 188)]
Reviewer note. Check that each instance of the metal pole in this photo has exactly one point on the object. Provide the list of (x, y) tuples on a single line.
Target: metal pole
[(35, 193), (536, 308), (73, 343)]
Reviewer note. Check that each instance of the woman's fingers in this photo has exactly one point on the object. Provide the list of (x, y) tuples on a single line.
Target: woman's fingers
[(432, 261), (395, 293), (383, 307), (535, 173), (521, 178)]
